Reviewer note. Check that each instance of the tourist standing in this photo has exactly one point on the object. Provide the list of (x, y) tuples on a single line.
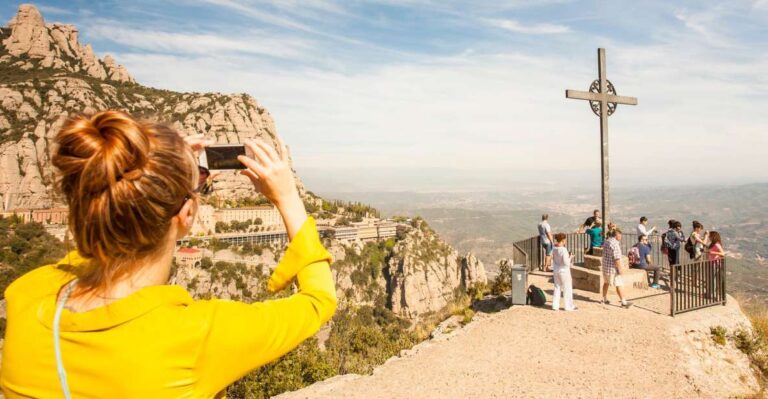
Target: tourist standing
[(595, 237), (561, 274), (642, 228), (644, 260), (545, 237), (698, 240), (674, 240), (612, 268), (586, 226), (716, 252)]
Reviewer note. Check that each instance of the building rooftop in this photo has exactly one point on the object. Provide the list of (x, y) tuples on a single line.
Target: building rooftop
[(188, 250)]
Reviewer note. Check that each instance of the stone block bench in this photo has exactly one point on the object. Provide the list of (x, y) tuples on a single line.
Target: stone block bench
[(594, 262), (592, 280)]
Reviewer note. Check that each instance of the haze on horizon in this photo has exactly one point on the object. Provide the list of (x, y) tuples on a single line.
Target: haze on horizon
[(434, 93)]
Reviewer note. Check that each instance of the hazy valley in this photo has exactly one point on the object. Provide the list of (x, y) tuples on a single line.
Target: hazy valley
[(487, 223)]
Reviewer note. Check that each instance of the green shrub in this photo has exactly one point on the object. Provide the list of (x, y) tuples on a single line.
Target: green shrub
[(299, 368), (467, 315), (719, 334), (503, 281), (747, 341), (24, 247)]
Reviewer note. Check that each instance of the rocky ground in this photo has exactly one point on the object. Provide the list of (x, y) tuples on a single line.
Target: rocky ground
[(599, 351)]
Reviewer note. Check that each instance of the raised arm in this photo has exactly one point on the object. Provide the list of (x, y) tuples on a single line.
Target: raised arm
[(241, 337)]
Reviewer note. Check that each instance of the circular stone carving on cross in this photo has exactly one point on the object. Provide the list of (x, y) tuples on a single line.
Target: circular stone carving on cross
[(595, 88)]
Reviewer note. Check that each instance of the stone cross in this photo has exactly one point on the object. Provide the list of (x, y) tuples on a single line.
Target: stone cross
[(603, 100)]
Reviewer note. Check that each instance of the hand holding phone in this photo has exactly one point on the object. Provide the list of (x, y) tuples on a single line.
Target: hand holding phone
[(224, 156)]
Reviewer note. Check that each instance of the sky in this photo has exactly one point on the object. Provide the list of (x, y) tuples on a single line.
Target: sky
[(456, 95)]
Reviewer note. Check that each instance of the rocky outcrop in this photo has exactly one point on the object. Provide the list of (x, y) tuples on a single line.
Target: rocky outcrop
[(424, 274), (31, 44), (49, 76)]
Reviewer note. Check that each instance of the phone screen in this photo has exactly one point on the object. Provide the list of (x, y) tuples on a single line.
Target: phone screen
[(224, 156)]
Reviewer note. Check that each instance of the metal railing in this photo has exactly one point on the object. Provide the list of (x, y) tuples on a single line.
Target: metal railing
[(532, 253), (694, 284), (579, 243), (697, 285), (519, 257)]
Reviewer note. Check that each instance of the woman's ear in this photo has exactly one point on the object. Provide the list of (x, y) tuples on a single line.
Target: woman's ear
[(186, 218)]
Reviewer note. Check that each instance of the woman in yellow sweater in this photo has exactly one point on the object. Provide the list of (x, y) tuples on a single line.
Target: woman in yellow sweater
[(104, 323)]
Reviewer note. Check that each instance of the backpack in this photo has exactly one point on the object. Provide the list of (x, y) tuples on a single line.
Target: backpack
[(689, 247), (634, 255), (664, 247), (535, 296)]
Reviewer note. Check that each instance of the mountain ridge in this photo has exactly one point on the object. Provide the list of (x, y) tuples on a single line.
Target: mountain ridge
[(47, 76)]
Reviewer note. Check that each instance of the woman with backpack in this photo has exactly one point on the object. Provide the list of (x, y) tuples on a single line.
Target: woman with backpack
[(696, 241), (561, 274), (674, 239)]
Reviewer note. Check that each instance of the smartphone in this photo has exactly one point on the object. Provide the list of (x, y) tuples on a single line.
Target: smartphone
[(223, 157)]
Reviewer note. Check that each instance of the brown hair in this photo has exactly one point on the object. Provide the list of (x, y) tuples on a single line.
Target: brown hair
[(123, 181), (559, 237), (714, 238)]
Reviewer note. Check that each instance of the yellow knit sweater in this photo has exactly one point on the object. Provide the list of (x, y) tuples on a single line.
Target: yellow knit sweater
[(159, 342)]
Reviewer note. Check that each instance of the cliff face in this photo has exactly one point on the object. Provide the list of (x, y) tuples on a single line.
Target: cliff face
[(47, 76), (424, 273), (413, 274)]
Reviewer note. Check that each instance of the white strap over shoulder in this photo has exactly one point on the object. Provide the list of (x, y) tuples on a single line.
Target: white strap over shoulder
[(56, 338)]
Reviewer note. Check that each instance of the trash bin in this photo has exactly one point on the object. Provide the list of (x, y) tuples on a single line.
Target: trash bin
[(519, 284)]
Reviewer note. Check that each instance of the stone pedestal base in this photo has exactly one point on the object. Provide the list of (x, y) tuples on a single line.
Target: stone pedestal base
[(594, 262), (592, 280)]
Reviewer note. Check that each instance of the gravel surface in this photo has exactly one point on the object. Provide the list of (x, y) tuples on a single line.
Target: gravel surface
[(598, 351)]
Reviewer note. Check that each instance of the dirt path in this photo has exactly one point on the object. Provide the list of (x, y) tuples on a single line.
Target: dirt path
[(598, 351)]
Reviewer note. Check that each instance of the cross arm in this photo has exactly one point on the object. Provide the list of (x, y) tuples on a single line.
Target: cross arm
[(586, 95), (582, 95)]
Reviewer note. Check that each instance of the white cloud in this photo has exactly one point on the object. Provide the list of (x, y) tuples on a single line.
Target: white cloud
[(492, 108), (505, 113), (53, 10), (706, 24), (255, 43), (531, 29)]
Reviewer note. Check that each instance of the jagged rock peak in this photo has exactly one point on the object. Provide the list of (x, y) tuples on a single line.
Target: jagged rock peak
[(36, 45)]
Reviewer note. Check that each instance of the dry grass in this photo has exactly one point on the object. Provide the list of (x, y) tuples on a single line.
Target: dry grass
[(430, 321), (756, 345)]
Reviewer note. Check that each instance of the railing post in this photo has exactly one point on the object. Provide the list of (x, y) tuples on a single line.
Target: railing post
[(723, 275), (672, 289)]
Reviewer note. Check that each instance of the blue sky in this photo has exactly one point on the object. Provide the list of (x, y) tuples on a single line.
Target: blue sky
[(474, 90)]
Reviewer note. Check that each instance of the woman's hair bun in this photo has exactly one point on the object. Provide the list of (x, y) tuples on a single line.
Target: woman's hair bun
[(124, 180), (102, 149)]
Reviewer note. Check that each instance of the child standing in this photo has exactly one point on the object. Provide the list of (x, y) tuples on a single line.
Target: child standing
[(561, 273)]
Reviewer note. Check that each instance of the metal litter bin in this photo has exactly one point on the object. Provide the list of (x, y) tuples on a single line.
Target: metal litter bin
[(519, 284)]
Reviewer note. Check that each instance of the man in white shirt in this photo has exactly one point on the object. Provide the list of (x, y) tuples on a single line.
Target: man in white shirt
[(642, 229)]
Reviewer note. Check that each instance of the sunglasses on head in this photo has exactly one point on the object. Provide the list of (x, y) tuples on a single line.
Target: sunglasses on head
[(204, 185), (204, 181)]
